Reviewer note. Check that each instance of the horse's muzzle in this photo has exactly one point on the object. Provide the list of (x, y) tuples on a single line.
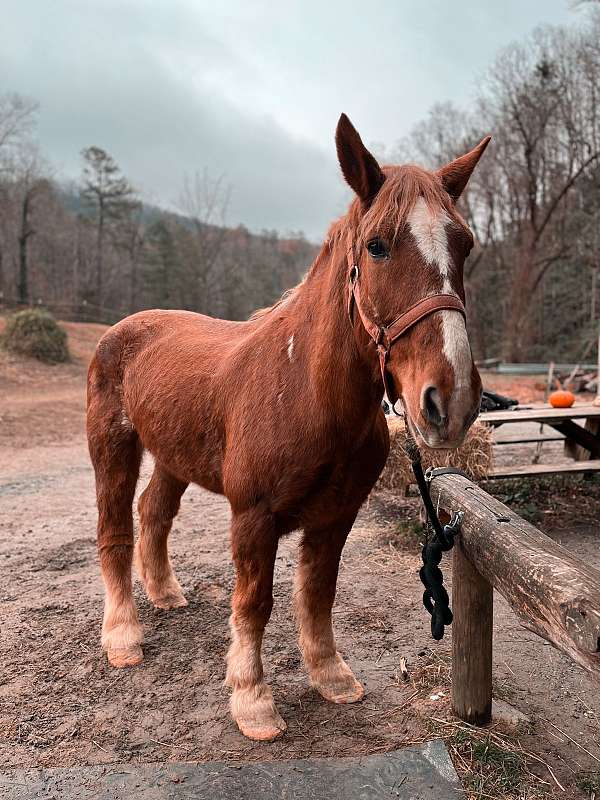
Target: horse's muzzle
[(442, 421)]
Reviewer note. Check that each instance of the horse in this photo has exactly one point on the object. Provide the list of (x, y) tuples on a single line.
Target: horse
[(281, 414)]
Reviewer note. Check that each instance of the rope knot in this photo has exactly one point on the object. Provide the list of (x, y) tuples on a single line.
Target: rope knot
[(435, 596)]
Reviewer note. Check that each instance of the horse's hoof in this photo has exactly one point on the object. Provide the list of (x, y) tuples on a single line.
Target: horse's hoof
[(334, 681), (255, 712), (262, 730), (130, 657), (348, 690), (170, 601)]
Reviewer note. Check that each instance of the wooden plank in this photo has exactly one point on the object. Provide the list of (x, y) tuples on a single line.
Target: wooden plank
[(472, 606), (553, 592), (531, 470), (541, 414), (576, 451), (581, 436), (535, 437)]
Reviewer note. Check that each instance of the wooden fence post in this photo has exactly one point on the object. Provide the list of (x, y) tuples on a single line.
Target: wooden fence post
[(472, 606)]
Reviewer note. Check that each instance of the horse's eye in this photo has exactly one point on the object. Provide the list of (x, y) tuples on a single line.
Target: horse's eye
[(377, 249)]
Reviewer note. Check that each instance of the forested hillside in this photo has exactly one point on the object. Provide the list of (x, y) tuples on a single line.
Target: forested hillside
[(94, 251)]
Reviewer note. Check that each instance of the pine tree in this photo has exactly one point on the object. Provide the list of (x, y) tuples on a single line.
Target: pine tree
[(162, 267), (109, 195)]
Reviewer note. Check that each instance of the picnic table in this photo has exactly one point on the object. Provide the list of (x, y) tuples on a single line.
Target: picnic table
[(581, 441)]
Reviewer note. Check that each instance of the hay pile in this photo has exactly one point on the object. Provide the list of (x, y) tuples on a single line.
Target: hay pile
[(34, 332), (474, 456)]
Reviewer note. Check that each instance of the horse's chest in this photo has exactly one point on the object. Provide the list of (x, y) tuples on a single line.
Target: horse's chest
[(333, 490)]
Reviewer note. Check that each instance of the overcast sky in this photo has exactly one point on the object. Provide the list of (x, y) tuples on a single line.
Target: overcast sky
[(247, 88)]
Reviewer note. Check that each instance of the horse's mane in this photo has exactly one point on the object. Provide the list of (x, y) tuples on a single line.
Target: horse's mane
[(387, 216), (262, 312)]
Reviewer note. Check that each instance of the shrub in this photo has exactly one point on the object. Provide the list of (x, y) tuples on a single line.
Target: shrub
[(36, 333)]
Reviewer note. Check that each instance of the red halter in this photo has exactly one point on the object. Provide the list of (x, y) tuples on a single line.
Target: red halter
[(384, 336)]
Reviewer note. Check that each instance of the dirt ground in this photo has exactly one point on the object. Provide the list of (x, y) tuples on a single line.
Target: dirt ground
[(61, 705)]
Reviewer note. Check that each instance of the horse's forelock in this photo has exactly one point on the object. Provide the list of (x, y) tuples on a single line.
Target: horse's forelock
[(395, 200)]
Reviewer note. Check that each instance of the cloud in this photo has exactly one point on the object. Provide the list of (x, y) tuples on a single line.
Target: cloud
[(146, 89), (248, 90)]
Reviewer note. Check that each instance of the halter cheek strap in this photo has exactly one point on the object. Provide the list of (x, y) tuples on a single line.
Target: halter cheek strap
[(384, 336)]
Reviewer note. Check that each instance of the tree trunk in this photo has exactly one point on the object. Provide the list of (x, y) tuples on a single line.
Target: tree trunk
[(133, 283), (1, 274), (518, 324), (23, 287), (99, 253)]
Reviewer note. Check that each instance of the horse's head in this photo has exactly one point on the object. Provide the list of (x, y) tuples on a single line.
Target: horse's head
[(408, 243)]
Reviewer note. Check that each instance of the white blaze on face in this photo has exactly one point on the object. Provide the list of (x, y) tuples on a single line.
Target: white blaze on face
[(428, 228), (290, 348)]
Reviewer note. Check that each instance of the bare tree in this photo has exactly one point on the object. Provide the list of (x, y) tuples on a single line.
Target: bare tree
[(540, 102), (17, 118), (31, 181), (205, 200)]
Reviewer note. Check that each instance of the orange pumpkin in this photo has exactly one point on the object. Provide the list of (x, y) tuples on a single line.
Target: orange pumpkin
[(561, 399)]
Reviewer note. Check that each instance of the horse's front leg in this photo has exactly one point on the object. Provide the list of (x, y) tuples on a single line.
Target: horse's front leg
[(254, 546), (316, 578)]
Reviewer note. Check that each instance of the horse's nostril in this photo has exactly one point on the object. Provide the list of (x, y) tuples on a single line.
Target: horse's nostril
[(432, 406)]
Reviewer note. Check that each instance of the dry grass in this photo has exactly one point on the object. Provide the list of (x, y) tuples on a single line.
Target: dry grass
[(474, 456), (491, 762)]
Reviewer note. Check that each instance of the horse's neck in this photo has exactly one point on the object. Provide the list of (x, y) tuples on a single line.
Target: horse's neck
[(342, 373)]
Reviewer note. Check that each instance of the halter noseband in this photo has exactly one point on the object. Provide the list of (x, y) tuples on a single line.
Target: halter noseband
[(384, 336)]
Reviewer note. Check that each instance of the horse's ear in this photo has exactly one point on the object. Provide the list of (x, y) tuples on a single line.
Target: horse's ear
[(456, 174), (360, 168)]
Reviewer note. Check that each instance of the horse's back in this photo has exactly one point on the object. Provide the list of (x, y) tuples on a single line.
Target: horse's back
[(144, 327), (164, 366), (163, 335)]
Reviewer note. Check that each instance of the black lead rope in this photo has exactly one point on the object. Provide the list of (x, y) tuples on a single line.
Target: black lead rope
[(435, 596)]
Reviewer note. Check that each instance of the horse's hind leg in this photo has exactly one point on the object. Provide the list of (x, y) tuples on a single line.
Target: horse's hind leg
[(158, 506), (254, 541), (116, 454), (316, 578)]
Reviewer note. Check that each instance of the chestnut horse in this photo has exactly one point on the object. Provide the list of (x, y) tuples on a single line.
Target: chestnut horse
[(282, 415)]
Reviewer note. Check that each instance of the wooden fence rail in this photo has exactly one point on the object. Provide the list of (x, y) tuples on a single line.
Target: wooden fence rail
[(553, 592)]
